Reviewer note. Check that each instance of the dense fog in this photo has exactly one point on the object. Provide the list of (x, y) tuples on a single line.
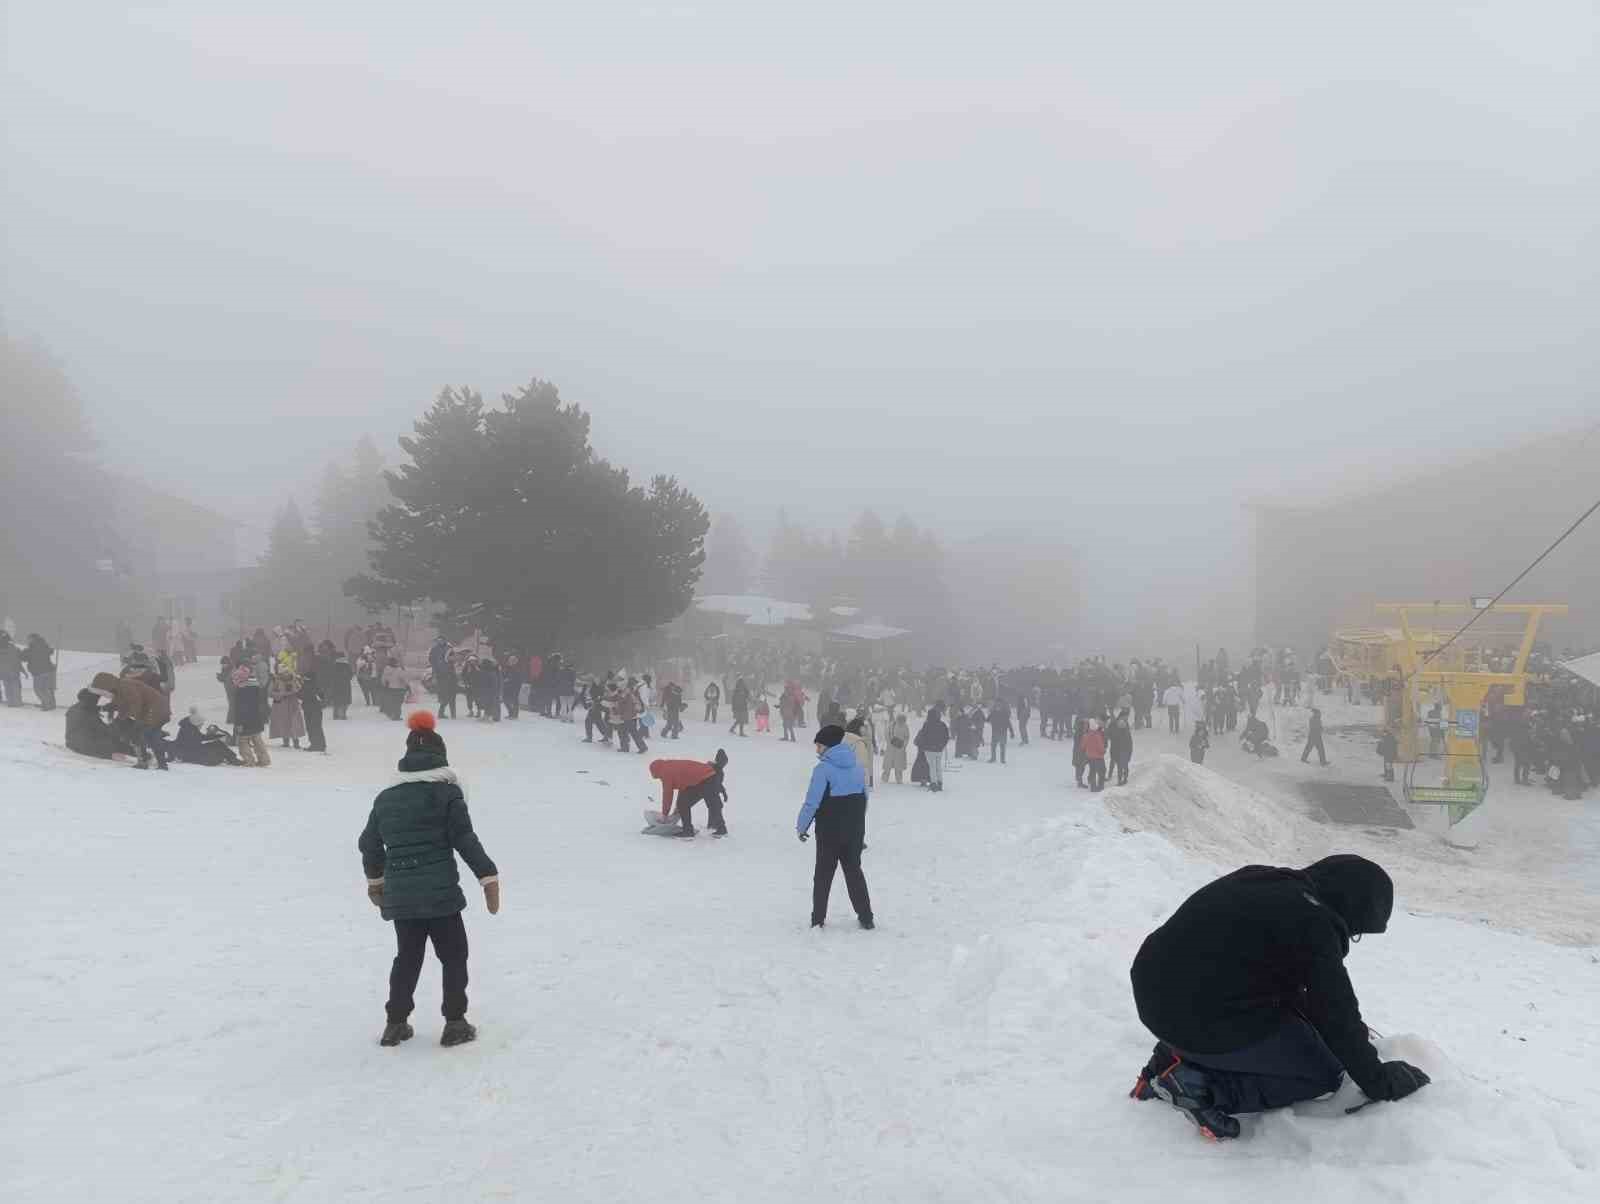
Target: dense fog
[(1082, 283)]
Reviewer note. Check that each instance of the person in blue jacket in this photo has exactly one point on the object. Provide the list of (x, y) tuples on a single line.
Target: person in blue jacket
[(836, 801)]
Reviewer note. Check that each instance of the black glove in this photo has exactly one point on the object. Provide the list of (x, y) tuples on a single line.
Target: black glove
[(804, 836), (1400, 1079)]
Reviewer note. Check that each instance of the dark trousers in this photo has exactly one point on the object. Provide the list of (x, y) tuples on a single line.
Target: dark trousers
[(699, 794), (592, 725), (447, 704), (1121, 765), (150, 740), (711, 712), (1290, 1065), (630, 730), (674, 727), (1315, 742), (1521, 769), (315, 740), (841, 832), (1022, 726), (997, 744), (365, 683), (513, 697), (449, 936), (1097, 773), (1172, 719)]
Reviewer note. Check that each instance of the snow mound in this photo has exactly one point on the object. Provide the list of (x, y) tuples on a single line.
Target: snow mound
[(1204, 813)]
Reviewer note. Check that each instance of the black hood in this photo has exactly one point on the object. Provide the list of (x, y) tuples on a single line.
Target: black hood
[(1358, 890)]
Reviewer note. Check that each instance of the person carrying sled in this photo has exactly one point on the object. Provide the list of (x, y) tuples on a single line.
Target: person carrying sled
[(408, 851), (693, 782), (1246, 991), (836, 800)]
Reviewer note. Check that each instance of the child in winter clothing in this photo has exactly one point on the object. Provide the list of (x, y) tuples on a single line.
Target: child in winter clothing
[(1388, 749), (424, 814), (1198, 743), (693, 782), (836, 800)]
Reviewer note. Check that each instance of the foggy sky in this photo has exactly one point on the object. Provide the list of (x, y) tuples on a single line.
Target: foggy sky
[(1029, 263)]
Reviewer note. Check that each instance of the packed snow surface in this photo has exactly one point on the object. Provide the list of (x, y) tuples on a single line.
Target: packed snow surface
[(198, 980)]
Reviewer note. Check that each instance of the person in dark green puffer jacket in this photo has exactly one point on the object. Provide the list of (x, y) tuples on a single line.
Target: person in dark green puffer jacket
[(408, 851)]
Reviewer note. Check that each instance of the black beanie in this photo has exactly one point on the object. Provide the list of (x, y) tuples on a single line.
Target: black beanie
[(830, 736), (721, 761), (422, 738)]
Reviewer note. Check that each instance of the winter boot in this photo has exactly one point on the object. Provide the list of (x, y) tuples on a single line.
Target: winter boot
[(866, 922), (1187, 1089), (457, 1032), (685, 833), (816, 923), (395, 1033), (1161, 1059), (721, 831)]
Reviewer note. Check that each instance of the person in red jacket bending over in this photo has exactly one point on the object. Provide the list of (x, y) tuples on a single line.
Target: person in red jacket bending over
[(693, 782)]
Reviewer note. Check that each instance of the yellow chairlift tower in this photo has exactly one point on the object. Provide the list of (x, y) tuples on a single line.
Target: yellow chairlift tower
[(1458, 675)]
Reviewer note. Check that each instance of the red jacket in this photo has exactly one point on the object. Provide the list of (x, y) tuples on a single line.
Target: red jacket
[(1094, 744), (535, 668), (678, 775)]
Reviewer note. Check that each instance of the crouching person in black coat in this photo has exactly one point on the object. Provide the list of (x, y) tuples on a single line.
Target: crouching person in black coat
[(408, 850), (1246, 988)]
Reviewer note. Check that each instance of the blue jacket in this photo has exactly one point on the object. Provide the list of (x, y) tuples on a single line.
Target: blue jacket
[(837, 773)]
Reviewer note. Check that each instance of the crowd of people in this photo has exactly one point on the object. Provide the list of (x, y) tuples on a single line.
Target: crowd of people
[(282, 684)]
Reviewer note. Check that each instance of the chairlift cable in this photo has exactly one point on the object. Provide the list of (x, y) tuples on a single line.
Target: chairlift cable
[(1560, 539)]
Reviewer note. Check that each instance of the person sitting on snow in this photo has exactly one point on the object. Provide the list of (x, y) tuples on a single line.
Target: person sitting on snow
[(1245, 989), (698, 781), (87, 733)]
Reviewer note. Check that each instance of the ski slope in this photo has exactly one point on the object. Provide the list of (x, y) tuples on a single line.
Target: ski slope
[(197, 988)]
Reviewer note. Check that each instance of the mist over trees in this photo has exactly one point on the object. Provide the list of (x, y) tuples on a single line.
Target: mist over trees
[(507, 521), (53, 537), (731, 566), (301, 575), (896, 574)]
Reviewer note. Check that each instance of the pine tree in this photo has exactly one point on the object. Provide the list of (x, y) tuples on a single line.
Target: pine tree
[(508, 522)]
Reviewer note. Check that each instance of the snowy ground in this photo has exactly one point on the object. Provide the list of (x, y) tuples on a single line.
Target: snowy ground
[(199, 987)]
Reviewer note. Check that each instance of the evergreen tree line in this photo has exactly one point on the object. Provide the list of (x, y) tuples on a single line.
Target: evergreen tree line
[(302, 573)]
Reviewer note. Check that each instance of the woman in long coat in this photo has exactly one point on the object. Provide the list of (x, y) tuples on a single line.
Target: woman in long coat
[(894, 752), (288, 721)]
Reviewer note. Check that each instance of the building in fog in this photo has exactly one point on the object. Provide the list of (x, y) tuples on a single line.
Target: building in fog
[(1445, 534), (146, 553)]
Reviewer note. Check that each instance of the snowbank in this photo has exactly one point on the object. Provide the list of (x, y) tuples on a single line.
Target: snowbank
[(1204, 813)]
